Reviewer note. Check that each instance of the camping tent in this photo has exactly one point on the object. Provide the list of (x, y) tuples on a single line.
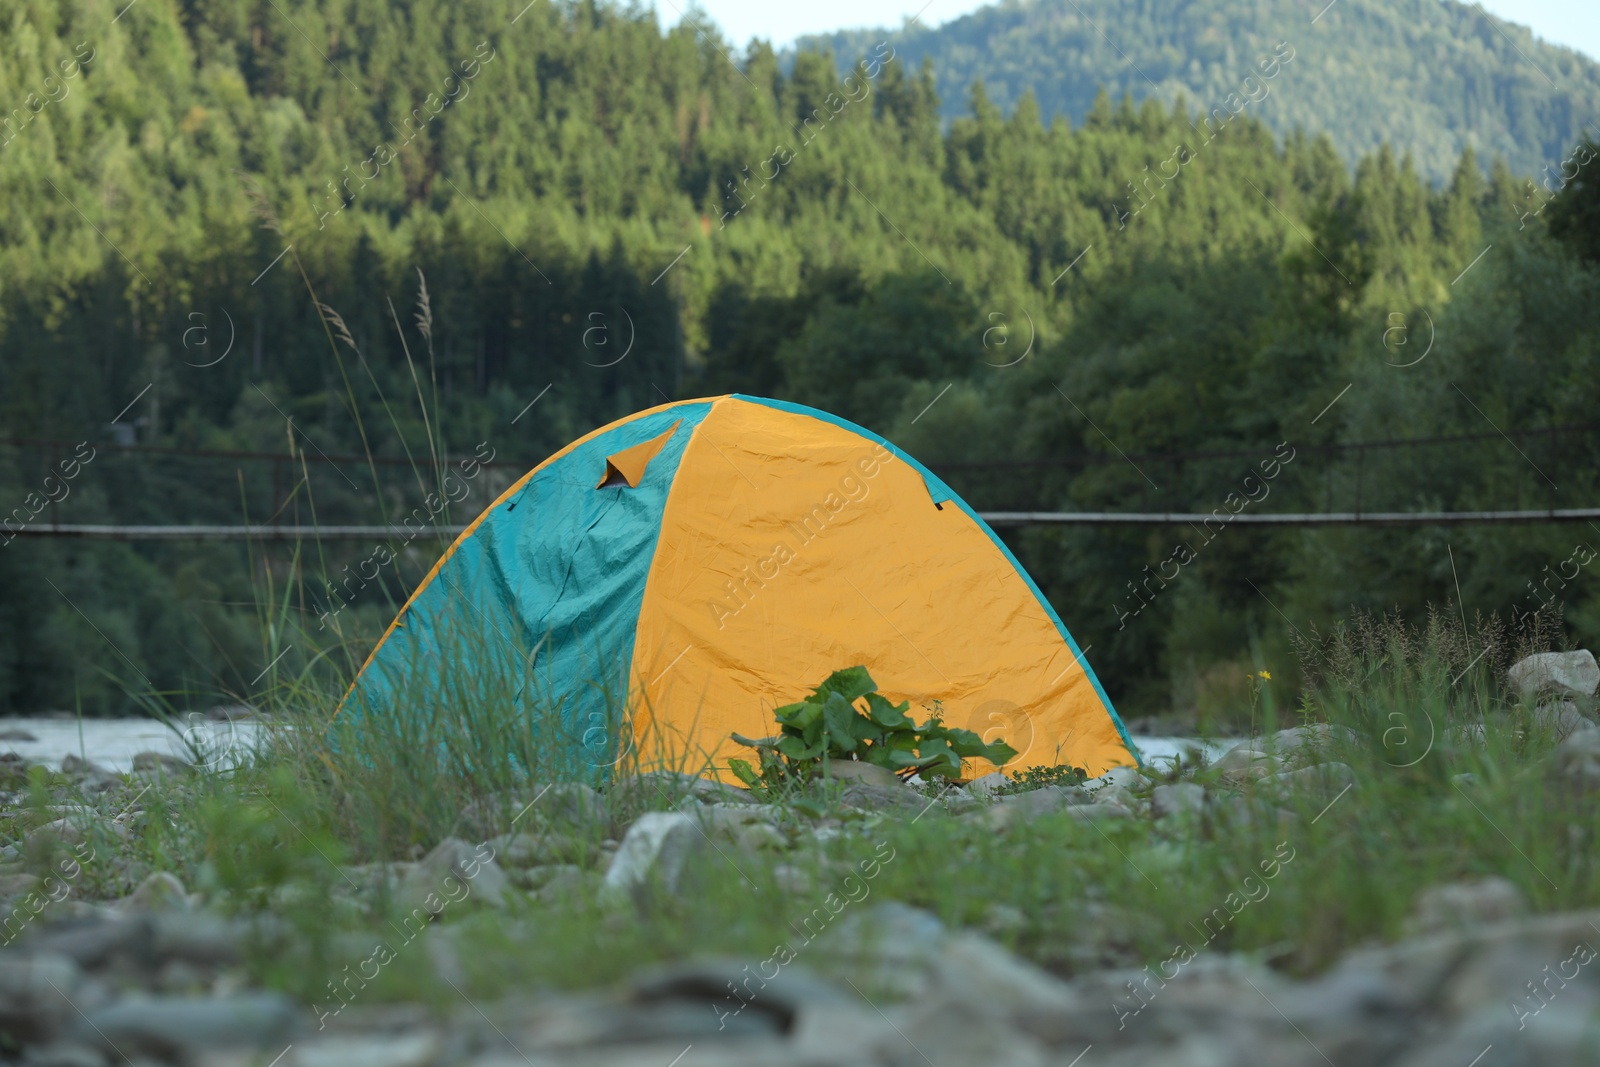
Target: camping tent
[(689, 568)]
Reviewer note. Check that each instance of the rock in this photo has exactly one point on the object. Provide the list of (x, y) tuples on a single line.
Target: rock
[(161, 764), (709, 792), (36, 995), (570, 803), (958, 802), (1014, 808), (366, 1050), (890, 947), (13, 771), (67, 831), (558, 880), (765, 996), (856, 771), (454, 872), (1095, 813), (16, 734), (158, 892), (17, 884), (1323, 781), (1573, 672), (231, 712), (570, 807), (669, 788), (1470, 904), (78, 767), (1284, 750), (986, 785), (1563, 719), (1253, 813), (1578, 758), (1004, 920), (539, 849), (985, 1005), (65, 1054), (983, 973), (729, 818), (1045, 799), (657, 850), (94, 943), (1177, 798), (868, 797), (758, 836), (177, 1027), (200, 938), (793, 880), (1116, 786), (745, 826)]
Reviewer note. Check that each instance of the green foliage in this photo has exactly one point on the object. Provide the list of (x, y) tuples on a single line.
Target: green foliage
[(909, 278), (1066, 895), (1480, 83), (1030, 778), (845, 718), (1575, 214)]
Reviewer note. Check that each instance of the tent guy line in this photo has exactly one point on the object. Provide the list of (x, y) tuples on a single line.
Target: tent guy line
[(993, 518)]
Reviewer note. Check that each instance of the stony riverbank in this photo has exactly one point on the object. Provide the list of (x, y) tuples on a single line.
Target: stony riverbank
[(892, 935)]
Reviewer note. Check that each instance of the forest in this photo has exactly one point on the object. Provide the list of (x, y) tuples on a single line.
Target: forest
[(288, 261), (1432, 77)]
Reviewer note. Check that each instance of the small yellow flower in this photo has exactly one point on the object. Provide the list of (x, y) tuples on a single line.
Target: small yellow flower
[(1266, 675)]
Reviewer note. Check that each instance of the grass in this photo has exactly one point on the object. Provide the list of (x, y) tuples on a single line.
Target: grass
[(281, 833), (292, 830)]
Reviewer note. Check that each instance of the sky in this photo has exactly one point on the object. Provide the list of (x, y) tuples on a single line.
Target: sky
[(1573, 23)]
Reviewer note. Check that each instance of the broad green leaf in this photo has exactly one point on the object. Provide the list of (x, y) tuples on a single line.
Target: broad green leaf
[(801, 715), (850, 683), (966, 743), (999, 753), (885, 714), (793, 747), (839, 714)]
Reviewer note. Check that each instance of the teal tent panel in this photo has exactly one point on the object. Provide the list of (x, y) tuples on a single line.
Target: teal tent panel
[(542, 600)]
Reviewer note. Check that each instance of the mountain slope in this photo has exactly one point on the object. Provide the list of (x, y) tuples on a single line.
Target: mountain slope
[(1430, 77)]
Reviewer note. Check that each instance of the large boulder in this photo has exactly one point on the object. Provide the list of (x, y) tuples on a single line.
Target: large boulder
[(1571, 672)]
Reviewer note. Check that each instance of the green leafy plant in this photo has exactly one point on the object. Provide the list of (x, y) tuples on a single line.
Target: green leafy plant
[(1031, 778), (846, 718)]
